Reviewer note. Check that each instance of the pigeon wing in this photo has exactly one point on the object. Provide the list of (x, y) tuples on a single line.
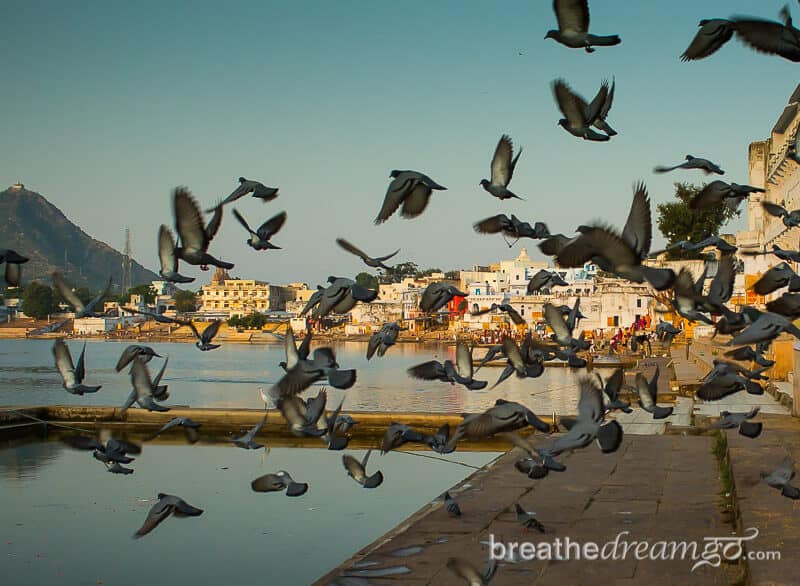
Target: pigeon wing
[(166, 250), (80, 367), (352, 249), (766, 37), (158, 513), (493, 225), (570, 104), (774, 209), (214, 223), (210, 331), (464, 361), (396, 193), (271, 227), (502, 168), (67, 292), (638, 231), (189, 221), (242, 221), (64, 362), (416, 202), (572, 15), (140, 378), (556, 321)]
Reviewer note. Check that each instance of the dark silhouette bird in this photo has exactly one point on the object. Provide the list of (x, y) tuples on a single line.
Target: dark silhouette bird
[(339, 297), (146, 391), (713, 34), (780, 478), (260, 239), (72, 375), (787, 304), (621, 254), (573, 27), (204, 339), (717, 192), (256, 188), (195, 236), (511, 227), (611, 389), (503, 164), (81, 309), (787, 255), (665, 331), (578, 117), (747, 428), (398, 434), (277, 482), (374, 262), (169, 258), (437, 295), (357, 471), (724, 379), (776, 278), (767, 327), (693, 163), (790, 219), (746, 353), (409, 189), (503, 416), (167, 505)]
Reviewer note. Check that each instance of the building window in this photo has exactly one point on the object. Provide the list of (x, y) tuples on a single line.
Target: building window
[(638, 303)]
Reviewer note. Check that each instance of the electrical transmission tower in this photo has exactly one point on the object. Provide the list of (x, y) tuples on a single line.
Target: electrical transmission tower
[(126, 262)]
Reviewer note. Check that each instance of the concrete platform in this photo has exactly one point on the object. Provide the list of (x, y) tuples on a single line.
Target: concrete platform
[(654, 487)]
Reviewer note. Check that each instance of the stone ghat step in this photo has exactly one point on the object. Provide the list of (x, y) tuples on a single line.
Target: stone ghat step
[(218, 424)]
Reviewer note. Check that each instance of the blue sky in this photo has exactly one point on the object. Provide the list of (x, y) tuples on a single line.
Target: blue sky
[(107, 106)]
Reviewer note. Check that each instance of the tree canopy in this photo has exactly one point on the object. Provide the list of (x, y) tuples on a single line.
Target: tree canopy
[(677, 221), (254, 321), (145, 291), (185, 301), (38, 301)]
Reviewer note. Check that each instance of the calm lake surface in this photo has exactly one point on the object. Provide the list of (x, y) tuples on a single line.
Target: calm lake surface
[(230, 376), (65, 520)]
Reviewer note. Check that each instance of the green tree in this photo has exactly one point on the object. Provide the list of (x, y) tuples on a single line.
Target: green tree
[(38, 300), (677, 221), (145, 291), (400, 271), (452, 275), (254, 321), (185, 301), (367, 280), (427, 272)]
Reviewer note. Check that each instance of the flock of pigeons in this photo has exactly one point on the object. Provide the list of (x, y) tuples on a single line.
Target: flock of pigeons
[(621, 253)]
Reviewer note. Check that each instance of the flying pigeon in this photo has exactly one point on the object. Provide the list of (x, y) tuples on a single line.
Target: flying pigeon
[(503, 416), (461, 372), (189, 426), (511, 227), (146, 353), (693, 163), (260, 239), (381, 340), (410, 189), (709, 39), (439, 442), (648, 395), (545, 279), (204, 339), (437, 295), (374, 262), (246, 441), (746, 353), (195, 236), (398, 434), (776, 278), (68, 294), (787, 304), (767, 327), (505, 308), (611, 390), (169, 258), (167, 505), (717, 192), (257, 189), (357, 471), (780, 478), (503, 164), (725, 380), (146, 391), (279, 481), (788, 255), (72, 376), (339, 297), (747, 428), (578, 118), (573, 27), (304, 372), (790, 219)]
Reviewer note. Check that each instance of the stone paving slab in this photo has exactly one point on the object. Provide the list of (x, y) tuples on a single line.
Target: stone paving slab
[(654, 488), (762, 507)]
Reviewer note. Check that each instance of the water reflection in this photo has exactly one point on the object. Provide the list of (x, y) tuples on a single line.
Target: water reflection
[(65, 519), (230, 376)]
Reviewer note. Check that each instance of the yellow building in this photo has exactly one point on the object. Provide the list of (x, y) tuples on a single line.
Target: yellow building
[(243, 296)]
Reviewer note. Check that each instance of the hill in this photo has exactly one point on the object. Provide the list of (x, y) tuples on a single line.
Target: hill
[(35, 228)]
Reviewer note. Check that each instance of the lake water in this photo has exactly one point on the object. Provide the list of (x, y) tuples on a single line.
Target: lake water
[(230, 376), (65, 520)]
